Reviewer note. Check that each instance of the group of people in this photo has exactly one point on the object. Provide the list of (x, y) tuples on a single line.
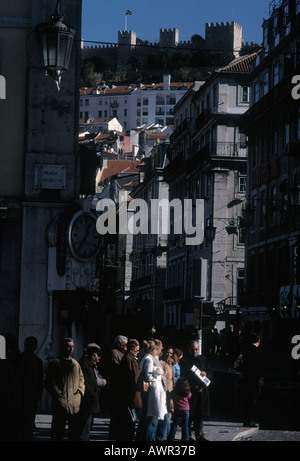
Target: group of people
[(157, 389), (152, 389)]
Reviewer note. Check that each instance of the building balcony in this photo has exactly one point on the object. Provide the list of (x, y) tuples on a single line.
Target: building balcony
[(141, 282), (173, 293), (222, 149)]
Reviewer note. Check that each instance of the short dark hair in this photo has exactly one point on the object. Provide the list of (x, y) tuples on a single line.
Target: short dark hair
[(254, 337), (31, 343), (182, 387), (66, 341)]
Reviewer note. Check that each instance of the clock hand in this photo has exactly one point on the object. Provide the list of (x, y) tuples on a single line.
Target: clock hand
[(84, 238)]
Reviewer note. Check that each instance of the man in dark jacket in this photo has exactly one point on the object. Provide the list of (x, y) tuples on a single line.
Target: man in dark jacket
[(253, 378), (199, 402), (32, 370), (130, 398), (90, 403)]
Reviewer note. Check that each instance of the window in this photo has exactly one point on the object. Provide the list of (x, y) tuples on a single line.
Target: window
[(215, 96), (245, 94), (273, 193), (86, 102), (275, 24), (263, 208), (276, 74), (145, 101), (160, 100), (256, 91), (240, 283), (266, 82), (254, 202), (285, 14), (297, 6), (241, 235), (100, 113), (242, 183), (265, 36), (287, 134), (159, 111), (171, 100)]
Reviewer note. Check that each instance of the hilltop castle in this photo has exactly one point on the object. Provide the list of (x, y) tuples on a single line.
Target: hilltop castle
[(222, 38)]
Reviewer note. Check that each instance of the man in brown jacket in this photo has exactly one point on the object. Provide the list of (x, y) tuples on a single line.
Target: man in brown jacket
[(65, 383)]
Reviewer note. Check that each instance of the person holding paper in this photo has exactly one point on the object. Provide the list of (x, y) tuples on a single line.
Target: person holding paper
[(200, 401)]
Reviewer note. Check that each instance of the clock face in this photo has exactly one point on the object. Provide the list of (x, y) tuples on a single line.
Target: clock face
[(84, 239)]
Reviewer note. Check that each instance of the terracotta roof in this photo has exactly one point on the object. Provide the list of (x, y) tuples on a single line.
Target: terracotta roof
[(132, 183), (116, 167), (109, 91), (161, 85), (157, 136), (241, 64), (102, 137), (95, 120)]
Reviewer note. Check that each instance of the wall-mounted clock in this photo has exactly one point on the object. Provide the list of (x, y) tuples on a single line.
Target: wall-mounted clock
[(84, 240)]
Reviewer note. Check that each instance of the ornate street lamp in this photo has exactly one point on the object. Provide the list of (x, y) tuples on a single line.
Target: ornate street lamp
[(210, 231), (57, 40)]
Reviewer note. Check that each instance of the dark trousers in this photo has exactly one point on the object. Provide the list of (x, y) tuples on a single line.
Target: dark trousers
[(84, 425), (115, 426), (28, 420), (252, 392), (196, 416), (142, 426), (58, 426)]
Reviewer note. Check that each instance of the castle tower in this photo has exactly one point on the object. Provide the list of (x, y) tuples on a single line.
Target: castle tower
[(168, 38), (224, 36), (126, 44)]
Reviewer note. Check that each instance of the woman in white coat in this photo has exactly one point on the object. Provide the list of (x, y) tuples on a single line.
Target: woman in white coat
[(152, 372)]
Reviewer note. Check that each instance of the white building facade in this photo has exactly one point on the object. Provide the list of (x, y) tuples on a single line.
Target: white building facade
[(133, 106)]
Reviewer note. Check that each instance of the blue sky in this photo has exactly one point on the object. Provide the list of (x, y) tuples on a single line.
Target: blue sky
[(101, 19)]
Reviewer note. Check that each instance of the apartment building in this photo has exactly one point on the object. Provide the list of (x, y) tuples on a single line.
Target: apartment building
[(208, 162), (133, 106), (272, 124)]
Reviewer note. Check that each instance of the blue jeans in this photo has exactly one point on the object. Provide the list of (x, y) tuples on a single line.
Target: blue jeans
[(152, 423), (184, 415), (163, 428)]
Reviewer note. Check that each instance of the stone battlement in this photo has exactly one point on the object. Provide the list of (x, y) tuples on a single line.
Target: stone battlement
[(222, 24)]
